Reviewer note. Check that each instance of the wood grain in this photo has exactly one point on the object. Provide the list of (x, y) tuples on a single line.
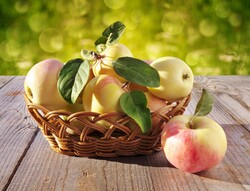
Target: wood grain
[(232, 92), (5, 79), (34, 166), (16, 129)]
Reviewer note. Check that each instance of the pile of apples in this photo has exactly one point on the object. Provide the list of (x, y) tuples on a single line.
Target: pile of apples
[(190, 143)]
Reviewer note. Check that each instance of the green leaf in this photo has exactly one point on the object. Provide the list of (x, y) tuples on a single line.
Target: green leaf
[(100, 43), (114, 32), (101, 40), (72, 79), (205, 104), (134, 104), (137, 71)]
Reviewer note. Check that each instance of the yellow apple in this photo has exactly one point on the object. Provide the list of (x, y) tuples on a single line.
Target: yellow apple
[(41, 84), (103, 65), (176, 79), (102, 94)]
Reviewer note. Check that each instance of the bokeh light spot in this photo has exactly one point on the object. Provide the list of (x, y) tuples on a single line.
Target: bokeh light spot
[(51, 40), (223, 9), (207, 28), (21, 6), (13, 49), (192, 58), (37, 22), (130, 24), (107, 18), (136, 16), (114, 4), (77, 8), (235, 19), (154, 50), (17, 31), (132, 21), (172, 22), (24, 65), (3, 55)]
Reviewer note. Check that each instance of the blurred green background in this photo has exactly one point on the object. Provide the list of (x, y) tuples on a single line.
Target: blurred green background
[(212, 36)]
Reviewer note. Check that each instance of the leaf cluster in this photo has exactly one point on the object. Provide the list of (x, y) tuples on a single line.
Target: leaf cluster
[(75, 74)]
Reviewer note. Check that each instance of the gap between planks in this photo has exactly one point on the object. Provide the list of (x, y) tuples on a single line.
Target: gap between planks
[(4, 80), (20, 160)]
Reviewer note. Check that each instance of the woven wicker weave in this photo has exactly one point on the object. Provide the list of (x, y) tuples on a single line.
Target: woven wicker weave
[(85, 134)]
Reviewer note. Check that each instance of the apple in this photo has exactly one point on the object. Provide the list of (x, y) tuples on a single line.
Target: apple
[(40, 84), (103, 64), (134, 86), (176, 79), (102, 94), (154, 103), (193, 146)]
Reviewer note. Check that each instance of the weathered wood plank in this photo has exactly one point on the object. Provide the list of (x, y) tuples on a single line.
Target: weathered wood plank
[(4, 80), (43, 169), (16, 128), (233, 92)]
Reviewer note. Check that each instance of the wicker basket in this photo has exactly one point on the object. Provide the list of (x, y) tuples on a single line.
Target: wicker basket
[(85, 134)]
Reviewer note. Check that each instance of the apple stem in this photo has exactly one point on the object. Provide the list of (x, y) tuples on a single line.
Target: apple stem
[(97, 56), (190, 123), (125, 85)]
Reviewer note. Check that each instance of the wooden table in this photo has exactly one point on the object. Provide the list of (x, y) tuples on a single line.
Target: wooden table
[(27, 162)]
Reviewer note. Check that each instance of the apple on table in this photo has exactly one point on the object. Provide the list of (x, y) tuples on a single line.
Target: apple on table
[(194, 143)]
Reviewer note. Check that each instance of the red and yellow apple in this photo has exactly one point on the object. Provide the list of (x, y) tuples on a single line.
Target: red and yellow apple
[(154, 103), (176, 79), (102, 94), (193, 147), (40, 84), (103, 65)]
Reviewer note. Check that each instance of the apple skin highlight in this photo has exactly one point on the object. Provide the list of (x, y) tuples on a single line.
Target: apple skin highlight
[(193, 150), (99, 90)]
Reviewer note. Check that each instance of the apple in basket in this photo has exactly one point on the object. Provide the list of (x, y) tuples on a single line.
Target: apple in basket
[(41, 88), (102, 94), (176, 78), (103, 64), (193, 143), (40, 84)]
